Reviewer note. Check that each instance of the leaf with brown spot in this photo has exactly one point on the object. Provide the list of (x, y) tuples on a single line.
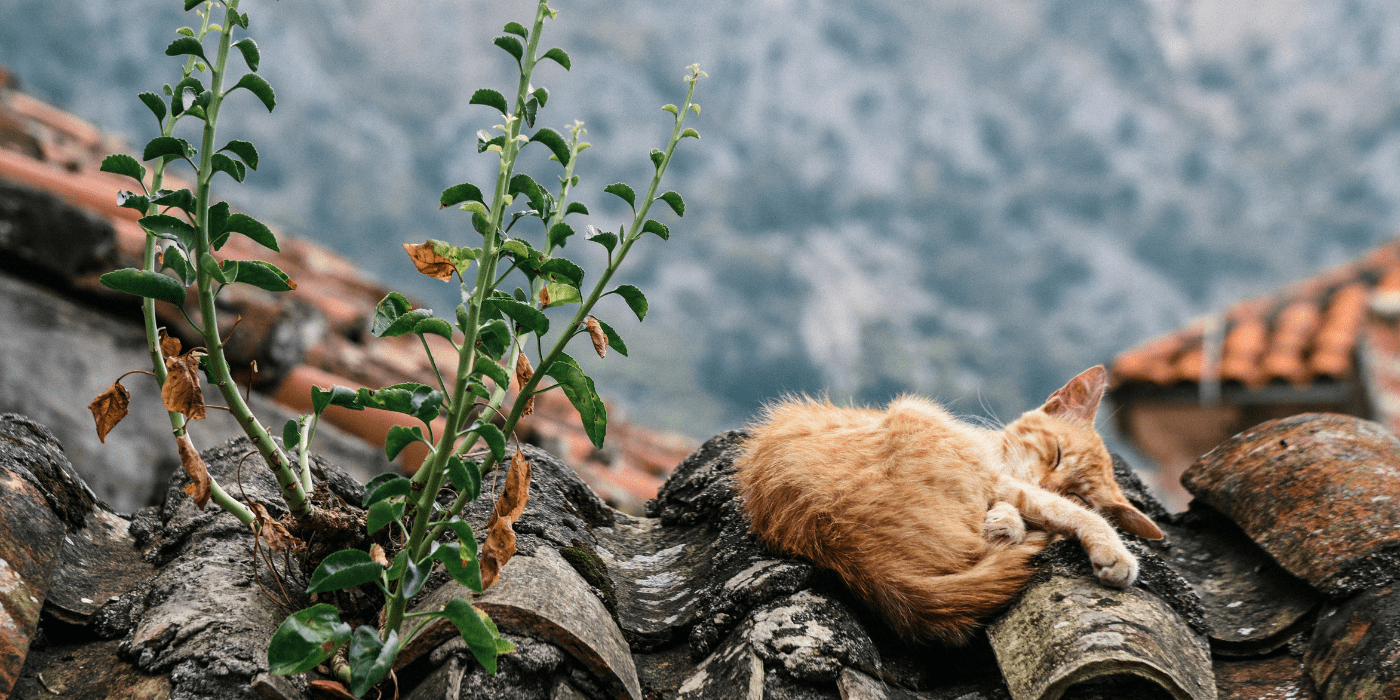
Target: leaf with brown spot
[(500, 537), (276, 535), (429, 262), (200, 486), (523, 373), (169, 347), (600, 339), (181, 392), (109, 408), (377, 554)]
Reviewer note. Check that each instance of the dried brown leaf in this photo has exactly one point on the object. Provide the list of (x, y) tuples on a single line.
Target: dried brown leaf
[(169, 347), (181, 391), (333, 689), (429, 262), (109, 408), (201, 485), (276, 535), (377, 554), (523, 373), (544, 296), (600, 339), (500, 537)]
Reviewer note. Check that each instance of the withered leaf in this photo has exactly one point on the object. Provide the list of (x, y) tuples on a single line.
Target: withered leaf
[(429, 262), (377, 554), (334, 689), (500, 536), (544, 296), (181, 391), (109, 408), (600, 339), (200, 486), (169, 347), (277, 536), (523, 373)]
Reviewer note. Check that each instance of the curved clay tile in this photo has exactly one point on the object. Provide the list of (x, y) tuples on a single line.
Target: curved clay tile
[(1149, 363), (1335, 340), (1293, 332), (1390, 281), (1239, 358), (1188, 366)]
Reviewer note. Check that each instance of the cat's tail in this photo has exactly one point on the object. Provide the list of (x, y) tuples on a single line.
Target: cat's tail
[(948, 607)]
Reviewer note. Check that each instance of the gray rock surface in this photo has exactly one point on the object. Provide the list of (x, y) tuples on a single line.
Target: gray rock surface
[(42, 235)]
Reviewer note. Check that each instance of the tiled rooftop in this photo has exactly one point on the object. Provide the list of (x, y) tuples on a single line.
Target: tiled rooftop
[(1299, 335), (46, 149)]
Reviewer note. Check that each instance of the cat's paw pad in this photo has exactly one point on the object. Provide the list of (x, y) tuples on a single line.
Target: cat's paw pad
[(1115, 566), (1003, 524)]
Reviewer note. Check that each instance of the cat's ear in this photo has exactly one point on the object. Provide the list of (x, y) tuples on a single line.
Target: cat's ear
[(1133, 521), (1079, 399)]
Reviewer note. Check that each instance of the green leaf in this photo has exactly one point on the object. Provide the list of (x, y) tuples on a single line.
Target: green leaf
[(559, 233), (403, 325), (435, 326), (252, 228), (255, 84), (291, 434), (512, 46), (532, 106), (344, 569), (389, 310), (494, 337), (561, 294), (602, 238), (131, 200), (465, 192), (673, 199), (174, 260), (554, 142), (614, 340), (241, 19), (249, 49), (218, 224), (488, 367), (306, 638), (244, 150), (263, 275), (171, 229), (466, 478), (517, 29), (657, 157), (385, 486), (383, 513), (145, 283), (494, 439), (690, 133), (123, 164), (483, 142), (524, 183), (416, 574), (526, 315), (474, 631), (562, 269), (180, 199), (186, 46), (558, 56), (411, 398), (155, 104), (211, 266), (370, 658), (621, 190), (228, 271), (634, 298), (222, 163), (400, 437), (576, 208), (167, 147), (337, 396), (461, 563), (671, 108), (490, 98), (541, 95), (658, 228), (578, 387), (191, 4)]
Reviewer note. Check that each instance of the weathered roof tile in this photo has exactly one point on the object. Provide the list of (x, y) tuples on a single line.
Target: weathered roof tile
[(1319, 492), (1354, 653)]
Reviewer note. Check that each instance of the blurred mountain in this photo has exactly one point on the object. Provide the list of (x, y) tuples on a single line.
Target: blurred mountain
[(970, 200)]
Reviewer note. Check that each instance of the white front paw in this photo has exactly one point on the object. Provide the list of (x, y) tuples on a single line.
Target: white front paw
[(1003, 524), (1114, 565)]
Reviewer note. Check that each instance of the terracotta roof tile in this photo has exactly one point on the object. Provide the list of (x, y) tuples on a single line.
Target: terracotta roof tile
[(1297, 334)]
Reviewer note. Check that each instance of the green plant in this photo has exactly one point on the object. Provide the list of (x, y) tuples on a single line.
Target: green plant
[(492, 330), (193, 228)]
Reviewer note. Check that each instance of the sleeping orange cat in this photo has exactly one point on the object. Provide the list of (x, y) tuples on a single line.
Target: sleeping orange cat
[(925, 516)]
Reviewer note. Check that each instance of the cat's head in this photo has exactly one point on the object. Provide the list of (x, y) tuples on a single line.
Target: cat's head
[(1066, 455)]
